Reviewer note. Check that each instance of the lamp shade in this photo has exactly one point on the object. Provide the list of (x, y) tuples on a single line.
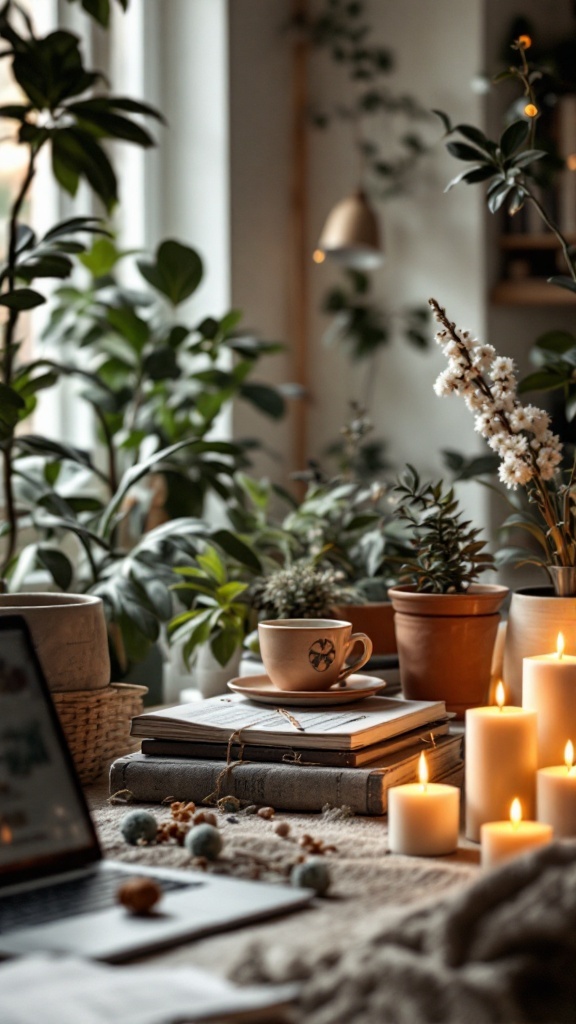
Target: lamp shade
[(351, 234)]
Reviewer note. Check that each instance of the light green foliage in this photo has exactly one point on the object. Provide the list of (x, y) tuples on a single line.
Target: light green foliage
[(218, 616)]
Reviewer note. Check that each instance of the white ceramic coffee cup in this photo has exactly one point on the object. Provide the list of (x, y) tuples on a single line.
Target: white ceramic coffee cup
[(310, 654)]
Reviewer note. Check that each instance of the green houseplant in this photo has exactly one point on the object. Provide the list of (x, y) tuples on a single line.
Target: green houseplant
[(131, 360), (213, 625), (445, 621)]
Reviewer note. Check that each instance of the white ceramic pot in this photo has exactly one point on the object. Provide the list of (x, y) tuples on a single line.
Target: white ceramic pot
[(69, 634), (209, 677), (536, 617)]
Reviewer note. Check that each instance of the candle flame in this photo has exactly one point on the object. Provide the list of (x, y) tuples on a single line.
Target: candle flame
[(560, 645), (569, 754), (500, 695), (423, 771), (5, 833), (516, 812)]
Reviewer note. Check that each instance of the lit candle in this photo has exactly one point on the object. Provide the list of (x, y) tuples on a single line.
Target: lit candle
[(423, 817), (549, 688), (503, 840), (556, 795), (501, 762)]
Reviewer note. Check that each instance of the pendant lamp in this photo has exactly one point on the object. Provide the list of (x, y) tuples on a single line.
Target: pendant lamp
[(351, 234)]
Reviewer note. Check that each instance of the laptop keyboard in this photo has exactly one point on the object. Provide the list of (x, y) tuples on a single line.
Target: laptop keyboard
[(67, 899)]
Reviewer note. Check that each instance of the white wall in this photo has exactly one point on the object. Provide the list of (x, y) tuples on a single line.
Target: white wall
[(224, 184)]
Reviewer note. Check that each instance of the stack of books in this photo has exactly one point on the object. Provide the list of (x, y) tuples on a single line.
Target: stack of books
[(297, 760)]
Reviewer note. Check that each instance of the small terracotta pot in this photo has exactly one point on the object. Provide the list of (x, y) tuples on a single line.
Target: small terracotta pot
[(69, 634), (446, 643), (376, 618)]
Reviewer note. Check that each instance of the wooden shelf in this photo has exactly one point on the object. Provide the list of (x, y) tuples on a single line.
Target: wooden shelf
[(531, 291), (520, 242)]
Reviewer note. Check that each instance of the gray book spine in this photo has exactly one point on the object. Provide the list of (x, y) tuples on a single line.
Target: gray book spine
[(284, 787)]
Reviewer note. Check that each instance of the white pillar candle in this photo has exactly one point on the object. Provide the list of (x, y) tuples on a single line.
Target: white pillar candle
[(549, 688), (556, 795), (501, 763), (423, 817), (503, 840)]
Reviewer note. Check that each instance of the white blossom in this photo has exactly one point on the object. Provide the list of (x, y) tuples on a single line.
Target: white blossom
[(502, 368), (483, 355), (446, 383), (540, 420), (519, 420), (547, 459), (514, 472)]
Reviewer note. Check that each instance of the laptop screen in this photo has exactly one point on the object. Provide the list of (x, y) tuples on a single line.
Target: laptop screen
[(44, 821)]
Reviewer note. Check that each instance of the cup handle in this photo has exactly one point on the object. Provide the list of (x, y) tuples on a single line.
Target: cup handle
[(356, 638)]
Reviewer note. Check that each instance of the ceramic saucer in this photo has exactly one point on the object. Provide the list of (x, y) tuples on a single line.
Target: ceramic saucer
[(259, 688)]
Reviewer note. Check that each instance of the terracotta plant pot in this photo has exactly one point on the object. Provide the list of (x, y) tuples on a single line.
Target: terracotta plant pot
[(446, 642), (70, 637), (376, 619), (536, 617)]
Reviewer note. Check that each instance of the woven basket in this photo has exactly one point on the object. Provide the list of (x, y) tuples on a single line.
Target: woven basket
[(96, 724)]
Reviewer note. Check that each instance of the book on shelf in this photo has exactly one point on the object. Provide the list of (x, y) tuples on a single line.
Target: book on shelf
[(289, 787), (220, 719), (426, 735)]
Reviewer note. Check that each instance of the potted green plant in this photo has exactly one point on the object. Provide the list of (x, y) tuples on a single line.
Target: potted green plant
[(63, 512), (213, 625), (446, 622), (345, 521)]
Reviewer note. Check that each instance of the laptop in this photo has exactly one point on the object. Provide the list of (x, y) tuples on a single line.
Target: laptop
[(57, 891)]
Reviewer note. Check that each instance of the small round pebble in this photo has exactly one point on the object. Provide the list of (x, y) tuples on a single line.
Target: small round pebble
[(205, 816), (312, 874), (139, 825), (232, 819), (266, 812), (229, 804), (204, 841), (251, 809), (282, 829), (139, 895)]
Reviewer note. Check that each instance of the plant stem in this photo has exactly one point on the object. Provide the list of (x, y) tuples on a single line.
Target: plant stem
[(565, 246), (7, 366)]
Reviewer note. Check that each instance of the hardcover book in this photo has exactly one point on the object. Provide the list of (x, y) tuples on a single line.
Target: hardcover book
[(234, 717), (295, 787), (426, 735)]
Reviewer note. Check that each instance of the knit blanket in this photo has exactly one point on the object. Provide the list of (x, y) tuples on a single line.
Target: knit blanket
[(500, 950)]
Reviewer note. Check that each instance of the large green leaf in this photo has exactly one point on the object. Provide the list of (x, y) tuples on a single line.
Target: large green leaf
[(176, 272), (235, 547), (543, 380), (267, 399), (101, 115), (21, 299), (57, 564), (135, 473), (11, 405), (513, 137)]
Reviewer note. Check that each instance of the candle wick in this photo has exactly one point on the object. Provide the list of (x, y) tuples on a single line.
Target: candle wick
[(423, 787)]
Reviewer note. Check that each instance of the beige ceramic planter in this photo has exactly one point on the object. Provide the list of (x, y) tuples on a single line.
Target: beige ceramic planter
[(446, 642), (69, 634), (536, 617)]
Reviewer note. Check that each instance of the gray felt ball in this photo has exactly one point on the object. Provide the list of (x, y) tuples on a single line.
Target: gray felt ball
[(203, 841), (137, 825), (312, 874)]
